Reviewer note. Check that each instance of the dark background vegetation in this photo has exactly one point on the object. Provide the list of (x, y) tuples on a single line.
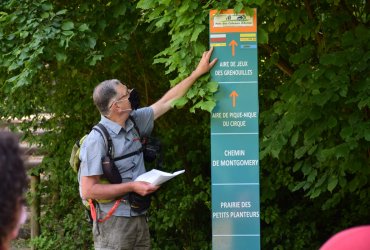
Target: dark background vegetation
[(314, 89)]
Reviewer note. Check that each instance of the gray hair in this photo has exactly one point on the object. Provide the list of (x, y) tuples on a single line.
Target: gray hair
[(104, 93)]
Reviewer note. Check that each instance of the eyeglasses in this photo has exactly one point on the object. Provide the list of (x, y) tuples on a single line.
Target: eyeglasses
[(121, 98)]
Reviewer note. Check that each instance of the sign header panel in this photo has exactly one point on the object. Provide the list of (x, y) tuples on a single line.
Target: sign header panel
[(229, 21)]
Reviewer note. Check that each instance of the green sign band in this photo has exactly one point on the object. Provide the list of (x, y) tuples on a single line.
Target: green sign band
[(235, 133)]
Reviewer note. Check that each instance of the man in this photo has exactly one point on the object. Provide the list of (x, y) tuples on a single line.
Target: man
[(126, 229), (13, 183)]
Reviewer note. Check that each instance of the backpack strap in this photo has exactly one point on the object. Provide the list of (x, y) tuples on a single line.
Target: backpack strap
[(102, 130), (107, 139), (135, 126)]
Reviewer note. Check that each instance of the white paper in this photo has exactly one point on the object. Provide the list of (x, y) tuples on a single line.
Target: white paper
[(157, 177)]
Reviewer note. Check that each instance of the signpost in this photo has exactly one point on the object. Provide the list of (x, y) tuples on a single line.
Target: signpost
[(234, 132)]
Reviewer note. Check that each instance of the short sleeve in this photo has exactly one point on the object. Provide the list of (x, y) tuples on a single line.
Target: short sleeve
[(92, 151), (144, 119)]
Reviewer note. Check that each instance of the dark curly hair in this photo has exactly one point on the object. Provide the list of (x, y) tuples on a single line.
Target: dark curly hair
[(13, 183)]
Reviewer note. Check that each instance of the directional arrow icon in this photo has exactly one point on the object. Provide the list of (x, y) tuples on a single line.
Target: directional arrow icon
[(233, 44), (234, 95)]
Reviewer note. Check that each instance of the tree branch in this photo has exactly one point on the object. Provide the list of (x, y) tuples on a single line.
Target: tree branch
[(311, 16), (309, 9), (281, 64)]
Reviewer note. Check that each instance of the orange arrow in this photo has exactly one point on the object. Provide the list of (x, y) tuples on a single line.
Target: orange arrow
[(233, 44), (234, 95)]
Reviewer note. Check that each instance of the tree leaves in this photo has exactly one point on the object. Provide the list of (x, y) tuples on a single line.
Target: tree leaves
[(68, 25), (332, 183), (145, 4), (314, 123), (262, 36)]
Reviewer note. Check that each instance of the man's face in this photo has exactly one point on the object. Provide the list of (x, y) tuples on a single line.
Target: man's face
[(122, 102)]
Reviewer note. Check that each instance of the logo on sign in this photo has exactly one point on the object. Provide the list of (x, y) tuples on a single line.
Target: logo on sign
[(232, 20)]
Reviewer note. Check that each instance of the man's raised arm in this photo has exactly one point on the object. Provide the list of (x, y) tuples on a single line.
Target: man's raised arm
[(164, 104)]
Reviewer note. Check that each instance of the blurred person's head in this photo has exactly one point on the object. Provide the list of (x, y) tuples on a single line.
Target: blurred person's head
[(13, 183), (354, 238)]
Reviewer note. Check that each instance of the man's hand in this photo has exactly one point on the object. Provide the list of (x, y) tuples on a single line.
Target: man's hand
[(92, 188), (143, 188), (164, 104), (204, 65)]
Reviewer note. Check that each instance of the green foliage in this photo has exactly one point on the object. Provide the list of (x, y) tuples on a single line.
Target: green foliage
[(187, 22), (180, 214), (314, 102), (315, 120)]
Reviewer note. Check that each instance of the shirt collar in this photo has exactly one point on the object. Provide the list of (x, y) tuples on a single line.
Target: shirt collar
[(115, 127)]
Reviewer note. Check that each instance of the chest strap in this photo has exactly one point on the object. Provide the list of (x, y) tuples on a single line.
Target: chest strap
[(129, 154)]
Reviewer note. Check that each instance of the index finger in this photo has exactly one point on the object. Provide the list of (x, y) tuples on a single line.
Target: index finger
[(210, 50), (209, 53)]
